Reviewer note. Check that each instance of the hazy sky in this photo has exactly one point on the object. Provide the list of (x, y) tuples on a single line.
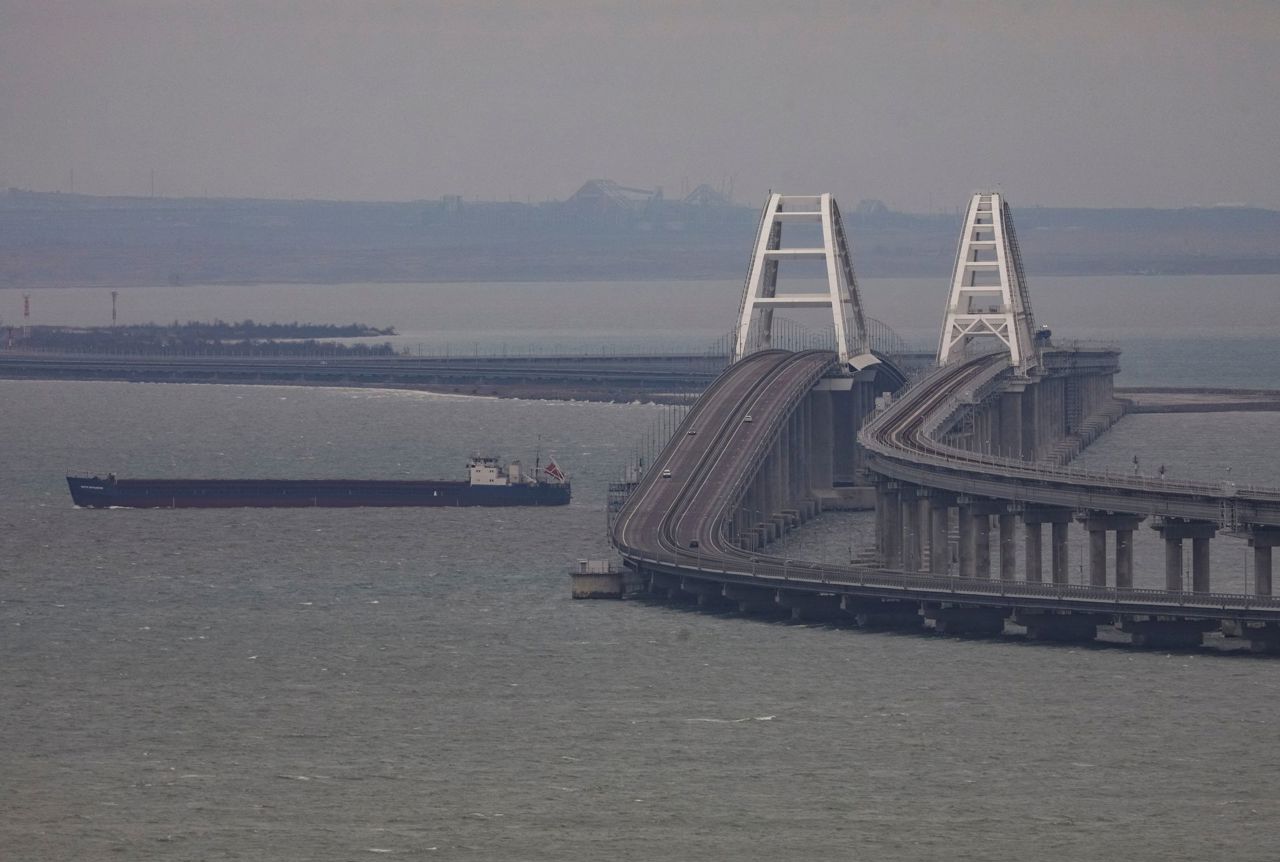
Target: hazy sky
[(1058, 103)]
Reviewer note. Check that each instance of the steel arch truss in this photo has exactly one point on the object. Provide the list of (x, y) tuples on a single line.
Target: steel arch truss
[(760, 296), (989, 297)]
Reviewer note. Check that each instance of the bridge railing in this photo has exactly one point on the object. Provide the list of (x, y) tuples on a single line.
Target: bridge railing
[(940, 454), (779, 571)]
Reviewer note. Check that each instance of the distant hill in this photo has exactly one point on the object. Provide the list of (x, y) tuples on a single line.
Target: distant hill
[(604, 232)]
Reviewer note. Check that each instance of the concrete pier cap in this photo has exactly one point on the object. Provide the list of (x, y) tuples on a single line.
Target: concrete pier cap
[(1098, 524), (1262, 540)]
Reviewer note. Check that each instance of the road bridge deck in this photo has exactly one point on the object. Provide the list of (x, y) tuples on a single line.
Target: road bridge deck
[(679, 526)]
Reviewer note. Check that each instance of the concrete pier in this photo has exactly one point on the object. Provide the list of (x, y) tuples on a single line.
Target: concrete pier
[(965, 517), (975, 534), (887, 614), (708, 594), (889, 521), (1262, 540), (1008, 543), (981, 544), (1262, 570), (939, 533), (1098, 524), (1033, 551), (1158, 633), (1262, 637), (912, 535), (1011, 424), (1098, 557), (1032, 519), (598, 579), (1060, 627), (1200, 565), (1124, 559), (1061, 559), (965, 620), (1174, 532), (753, 600), (808, 607)]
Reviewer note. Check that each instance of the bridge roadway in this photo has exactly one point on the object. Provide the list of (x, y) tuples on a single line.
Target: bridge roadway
[(709, 468), (902, 444), (692, 480)]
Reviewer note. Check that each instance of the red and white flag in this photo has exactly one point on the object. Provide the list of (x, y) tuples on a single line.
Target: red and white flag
[(553, 470)]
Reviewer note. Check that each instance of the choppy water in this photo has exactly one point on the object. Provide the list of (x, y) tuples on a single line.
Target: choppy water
[(335, 685)]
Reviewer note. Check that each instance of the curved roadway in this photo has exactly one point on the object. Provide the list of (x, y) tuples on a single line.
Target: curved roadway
[(902, 445), (712, 452), (715, 453)]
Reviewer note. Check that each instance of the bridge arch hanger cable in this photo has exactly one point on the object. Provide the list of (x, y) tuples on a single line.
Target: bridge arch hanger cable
[(760, 296), (989, 299)]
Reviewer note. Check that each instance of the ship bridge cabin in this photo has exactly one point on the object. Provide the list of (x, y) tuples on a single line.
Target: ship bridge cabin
[(486, 470)]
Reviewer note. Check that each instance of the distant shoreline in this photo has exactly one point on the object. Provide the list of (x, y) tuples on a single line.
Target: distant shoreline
[(53, 240), (619, 278)]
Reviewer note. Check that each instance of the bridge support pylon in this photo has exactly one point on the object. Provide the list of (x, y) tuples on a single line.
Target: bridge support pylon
[(1174, 532), (760, 297), (1262, 540), (989, 297)]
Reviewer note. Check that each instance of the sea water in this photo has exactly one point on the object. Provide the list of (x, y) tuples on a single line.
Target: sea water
[(345, 684)]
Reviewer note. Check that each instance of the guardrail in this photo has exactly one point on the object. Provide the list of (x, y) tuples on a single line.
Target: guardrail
[(880, 436), (820, 577)]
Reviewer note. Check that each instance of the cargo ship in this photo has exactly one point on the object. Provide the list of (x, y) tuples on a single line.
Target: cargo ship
[(489, 483)]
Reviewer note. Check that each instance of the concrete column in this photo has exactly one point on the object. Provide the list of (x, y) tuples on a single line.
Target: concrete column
[(1098, 557), (1098, 523), (982, 545), (843, 431), (892, 551), (779, 458), (994, 428), (910, 530), (1200, 565), (939, 528), (882, 527), (1061, 558), (1011, 424), (1029, 432), (965, 518), (978, 534), (862, 395), (1008, 540), (802, 494), (1058, 518), (925, 521), (1262, 570), (1124, 559), (1262, 540), (820, 440), (1173, 563), (1173, 532), (807, 443), (1033, 551), (790, 449)]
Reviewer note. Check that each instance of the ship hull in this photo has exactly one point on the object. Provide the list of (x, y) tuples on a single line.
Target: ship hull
[(304, 493)]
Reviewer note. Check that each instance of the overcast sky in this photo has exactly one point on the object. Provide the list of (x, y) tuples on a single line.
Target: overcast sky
[(918, 104)]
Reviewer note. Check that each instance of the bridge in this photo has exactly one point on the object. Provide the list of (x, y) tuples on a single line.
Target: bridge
[(980, 444)]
